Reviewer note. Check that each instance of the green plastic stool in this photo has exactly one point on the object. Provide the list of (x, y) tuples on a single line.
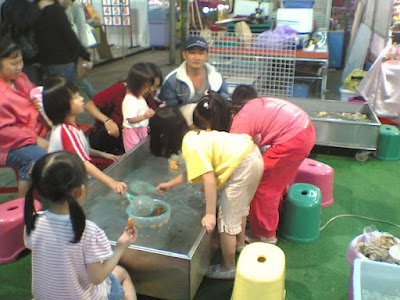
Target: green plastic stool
[(300, 218), (388, 143)]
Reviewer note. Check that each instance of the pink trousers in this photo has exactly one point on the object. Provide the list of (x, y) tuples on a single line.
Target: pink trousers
[(281, 163), (133, 136)]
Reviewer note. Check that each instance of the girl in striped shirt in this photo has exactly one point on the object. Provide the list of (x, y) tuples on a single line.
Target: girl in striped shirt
[(62, 103), (71, 256)]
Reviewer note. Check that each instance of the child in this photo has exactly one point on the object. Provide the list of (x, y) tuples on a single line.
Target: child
[(289, 133), (227, 163), (106, 108), (62, 103), (71, 256), (135, 110)]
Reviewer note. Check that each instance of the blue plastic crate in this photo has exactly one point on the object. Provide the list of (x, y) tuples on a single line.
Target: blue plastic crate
[(373, 280), (298, 4)]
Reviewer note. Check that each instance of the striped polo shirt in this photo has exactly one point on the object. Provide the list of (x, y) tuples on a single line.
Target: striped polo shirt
[(59, 267)]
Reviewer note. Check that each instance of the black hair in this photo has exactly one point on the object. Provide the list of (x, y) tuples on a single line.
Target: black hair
[(138, 75), (57, 94), (54, 176), (213, 112), (241, 95), (167, 129), (8, 48), (155, 71)]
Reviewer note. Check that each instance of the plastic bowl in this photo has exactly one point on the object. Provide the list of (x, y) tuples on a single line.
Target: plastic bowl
[(156, 220)]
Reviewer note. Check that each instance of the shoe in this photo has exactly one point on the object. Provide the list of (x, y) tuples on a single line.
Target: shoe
[(215, 272), (251, 239), (240, 248)]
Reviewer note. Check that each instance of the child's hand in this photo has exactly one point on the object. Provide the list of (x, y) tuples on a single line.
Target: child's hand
[(209, 221), (163, 187), (119, 187), (149, 113), (109, 156), (128, 237)]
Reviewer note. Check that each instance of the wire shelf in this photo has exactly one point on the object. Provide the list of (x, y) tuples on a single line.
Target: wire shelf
[(265, 61)]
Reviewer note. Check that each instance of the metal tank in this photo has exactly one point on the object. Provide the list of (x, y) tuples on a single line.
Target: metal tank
[(167, 261)]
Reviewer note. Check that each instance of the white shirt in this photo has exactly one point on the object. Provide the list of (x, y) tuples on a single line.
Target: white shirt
[(133, 107), (59, 268)]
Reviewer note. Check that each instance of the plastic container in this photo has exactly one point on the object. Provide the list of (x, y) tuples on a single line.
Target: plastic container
[(375, 280), (345, 95), (298, 4), (301, 90)]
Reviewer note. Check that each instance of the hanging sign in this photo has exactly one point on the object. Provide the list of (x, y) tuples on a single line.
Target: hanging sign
[(116, 13), (86, 2)]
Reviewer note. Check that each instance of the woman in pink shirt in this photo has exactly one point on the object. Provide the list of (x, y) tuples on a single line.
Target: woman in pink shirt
[(22, 128), (290, 135)]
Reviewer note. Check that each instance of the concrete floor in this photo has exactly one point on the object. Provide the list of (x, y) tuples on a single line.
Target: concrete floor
[(104, 75)]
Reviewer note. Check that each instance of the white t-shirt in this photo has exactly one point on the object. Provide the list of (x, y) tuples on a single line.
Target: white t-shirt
[(133, 107), (59, 268)]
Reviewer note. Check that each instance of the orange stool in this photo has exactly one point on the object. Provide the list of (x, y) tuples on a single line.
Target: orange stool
[(12, 229), (10, 189), (318, 174)]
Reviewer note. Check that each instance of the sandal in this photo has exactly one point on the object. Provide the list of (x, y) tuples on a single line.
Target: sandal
[(240, 248), (251, 239), (215, 272)]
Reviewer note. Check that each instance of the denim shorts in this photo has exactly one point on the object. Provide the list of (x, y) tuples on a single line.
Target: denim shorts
[(22, 158), (66, 70), (117, 291)]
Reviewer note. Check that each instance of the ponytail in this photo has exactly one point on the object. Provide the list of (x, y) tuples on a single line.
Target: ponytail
[(55, 176), (213, 112), (78, 218), (29, 211)]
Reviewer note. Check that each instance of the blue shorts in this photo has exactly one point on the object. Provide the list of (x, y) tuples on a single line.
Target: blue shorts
[(117, 291), (22, 158)]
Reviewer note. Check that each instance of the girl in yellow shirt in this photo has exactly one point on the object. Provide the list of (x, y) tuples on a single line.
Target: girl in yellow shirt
[(230, 165)]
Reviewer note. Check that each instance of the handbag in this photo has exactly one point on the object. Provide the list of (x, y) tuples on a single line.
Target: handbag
[(91, 39), (81, 70)]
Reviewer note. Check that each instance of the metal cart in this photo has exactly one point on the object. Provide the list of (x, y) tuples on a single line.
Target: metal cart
[(353, 134)]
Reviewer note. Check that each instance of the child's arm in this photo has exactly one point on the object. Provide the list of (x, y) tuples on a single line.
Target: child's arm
[(147, 115), (166, 186), (98, 272), (210, 189), (117, 186), (97, 153)]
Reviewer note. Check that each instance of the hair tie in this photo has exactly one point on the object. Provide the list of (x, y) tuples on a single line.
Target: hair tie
[(206, 105)]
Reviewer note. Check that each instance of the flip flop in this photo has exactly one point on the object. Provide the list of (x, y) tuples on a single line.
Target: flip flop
[(215, 272)]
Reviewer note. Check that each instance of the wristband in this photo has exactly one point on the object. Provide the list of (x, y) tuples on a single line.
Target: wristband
[(106, 121)]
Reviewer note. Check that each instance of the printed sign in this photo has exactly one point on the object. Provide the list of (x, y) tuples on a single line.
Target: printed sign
[(86, 2), (116, 13)]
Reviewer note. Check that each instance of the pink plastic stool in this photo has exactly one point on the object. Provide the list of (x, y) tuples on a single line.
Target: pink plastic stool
[(12, 228), (318, 174)]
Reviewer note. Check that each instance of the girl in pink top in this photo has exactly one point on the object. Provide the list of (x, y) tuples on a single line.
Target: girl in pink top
[(71, 257), (289, 135)]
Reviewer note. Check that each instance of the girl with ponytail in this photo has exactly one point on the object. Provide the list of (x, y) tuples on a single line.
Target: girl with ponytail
[(71, 256)]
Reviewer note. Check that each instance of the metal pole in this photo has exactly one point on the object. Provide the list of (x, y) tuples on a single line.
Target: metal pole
[(172, 32)]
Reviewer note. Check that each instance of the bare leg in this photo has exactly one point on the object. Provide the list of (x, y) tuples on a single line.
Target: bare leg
[(123, 277), (228, 247), (240, 236), (23, 187)]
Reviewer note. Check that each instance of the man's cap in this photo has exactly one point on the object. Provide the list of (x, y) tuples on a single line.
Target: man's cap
[(196, 41)]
